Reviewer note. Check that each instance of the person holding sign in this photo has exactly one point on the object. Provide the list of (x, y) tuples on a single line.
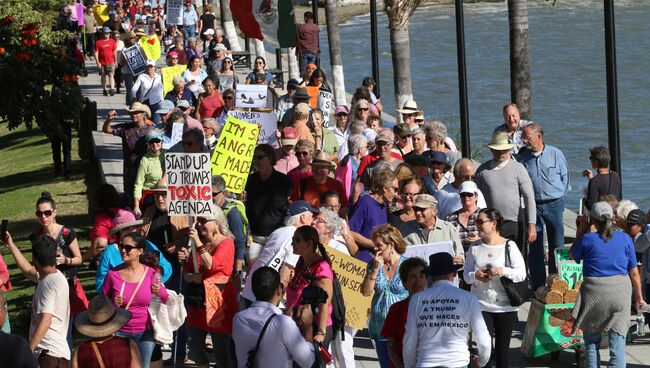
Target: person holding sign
[(260, 68), (381, 278), (610, 275), (486, 264)]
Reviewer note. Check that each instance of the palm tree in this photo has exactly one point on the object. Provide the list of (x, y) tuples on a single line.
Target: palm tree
[(520, 79), (399, 12), (229, 25), (335, 52)]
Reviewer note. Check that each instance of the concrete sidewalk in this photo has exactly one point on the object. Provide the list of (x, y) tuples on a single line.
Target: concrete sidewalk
[(108, 150)]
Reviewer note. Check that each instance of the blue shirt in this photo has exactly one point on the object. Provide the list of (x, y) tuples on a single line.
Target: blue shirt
[(548, 171), (367, 214), (112, 258), (387, 293), (600, 259)]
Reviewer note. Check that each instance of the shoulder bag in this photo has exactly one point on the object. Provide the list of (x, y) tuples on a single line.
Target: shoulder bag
[(518, 292)]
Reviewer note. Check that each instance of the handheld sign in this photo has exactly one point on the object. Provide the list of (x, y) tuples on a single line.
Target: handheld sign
[(268, 121), (189, 184), (135, 60), (351, 272), (174, 12), (168, 73), (313, 96), (233, 154), (101, 14), (325, 105), (150, 46), (252, 96)]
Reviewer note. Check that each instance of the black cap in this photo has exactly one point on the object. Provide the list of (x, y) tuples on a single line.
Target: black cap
[(292, 84), (636, 217), (441, 264), (298, 207)]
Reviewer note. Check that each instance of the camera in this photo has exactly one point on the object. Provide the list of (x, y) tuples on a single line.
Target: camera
[(313, 295)]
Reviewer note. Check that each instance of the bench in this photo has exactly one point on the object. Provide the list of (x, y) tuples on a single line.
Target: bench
[(278, 77), (242, 58)]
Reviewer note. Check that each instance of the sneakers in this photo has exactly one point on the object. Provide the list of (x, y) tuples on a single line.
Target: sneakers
[(105, 92), (112, 92)]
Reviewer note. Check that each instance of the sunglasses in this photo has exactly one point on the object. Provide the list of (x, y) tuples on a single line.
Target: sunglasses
[(463, 195), (302, 153), (227, 62), (214, 194), (468, 177), (160, 194), (154, 141), (127, 248), (363, 110), (47, 213)]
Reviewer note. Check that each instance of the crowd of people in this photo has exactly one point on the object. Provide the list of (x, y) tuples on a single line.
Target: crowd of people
[(262, 278)]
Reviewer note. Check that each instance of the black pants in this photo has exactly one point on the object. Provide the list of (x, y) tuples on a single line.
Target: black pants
[(500, 326), (89, 45), (62, 141)]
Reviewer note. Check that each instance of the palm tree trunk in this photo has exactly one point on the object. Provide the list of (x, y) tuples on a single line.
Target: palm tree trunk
[(335, 52), (401, 55), (294, 69), (520, 77), (229, 25)]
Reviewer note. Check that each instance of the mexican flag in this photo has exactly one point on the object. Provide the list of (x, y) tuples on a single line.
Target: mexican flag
[(286, 24), (242, 10)]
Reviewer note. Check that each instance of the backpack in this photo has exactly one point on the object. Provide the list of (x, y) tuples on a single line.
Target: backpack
[(338, 308)]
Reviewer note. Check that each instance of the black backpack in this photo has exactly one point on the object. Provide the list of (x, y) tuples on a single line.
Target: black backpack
[(338, 308)]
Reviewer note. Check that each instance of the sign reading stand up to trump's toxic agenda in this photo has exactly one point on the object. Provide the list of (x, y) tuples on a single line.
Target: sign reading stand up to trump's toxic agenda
[(233, 154), (189, 184)]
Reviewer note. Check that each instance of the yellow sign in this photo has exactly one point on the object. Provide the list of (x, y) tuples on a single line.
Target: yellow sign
[(151, 47), (233, 154), (351, 272), (101, 14), (168, 73)]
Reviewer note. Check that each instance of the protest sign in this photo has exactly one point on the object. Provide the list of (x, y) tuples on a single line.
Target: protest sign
[(177, 136), (268, 120), (79, 9), (562, 255), (351, 272), (425, 250), (548, 329), (189, 184), (313, 96), (174, 12), (233, 153), (101, 14), (571, 272), (168, 73), (252, 96), (135, 59), (151, 46), (325, 105)]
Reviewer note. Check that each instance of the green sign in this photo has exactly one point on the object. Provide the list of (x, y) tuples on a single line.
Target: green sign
[(562, 255), (570, 272)]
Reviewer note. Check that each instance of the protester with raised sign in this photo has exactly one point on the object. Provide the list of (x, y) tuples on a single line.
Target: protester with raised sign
[(210, 296), (123, 63), (488, 260), (441, 319), (411, 273), (382, 278), (610, 275)]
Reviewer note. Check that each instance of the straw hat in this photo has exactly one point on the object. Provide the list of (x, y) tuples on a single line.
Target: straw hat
[(500, 142), (321, 159), (139, 107), (102, 318), (410, 107), (161, 186)]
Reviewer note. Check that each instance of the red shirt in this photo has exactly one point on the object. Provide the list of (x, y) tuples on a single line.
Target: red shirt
[(308, 38), (103, 224), (372, 157), (313, 191), (106, 51), (395, 324), (211, 106)]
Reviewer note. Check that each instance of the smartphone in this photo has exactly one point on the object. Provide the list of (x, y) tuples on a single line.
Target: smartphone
[(3, 229)]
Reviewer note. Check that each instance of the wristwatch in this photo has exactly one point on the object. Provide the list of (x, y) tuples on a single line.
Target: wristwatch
[(321, 331)]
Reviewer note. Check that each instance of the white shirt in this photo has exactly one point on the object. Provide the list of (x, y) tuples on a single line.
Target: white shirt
[(52, 297), (281, 345), (437, 330), (277, 251), (449, 200), (477, 258), (151, 88)]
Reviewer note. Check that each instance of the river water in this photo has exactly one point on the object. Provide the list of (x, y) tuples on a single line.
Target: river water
[(569, 97)]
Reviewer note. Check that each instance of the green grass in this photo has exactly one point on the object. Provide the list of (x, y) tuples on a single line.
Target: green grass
[(27, 170)]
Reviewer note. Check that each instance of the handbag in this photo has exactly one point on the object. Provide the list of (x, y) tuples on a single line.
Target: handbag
[(518, 292)]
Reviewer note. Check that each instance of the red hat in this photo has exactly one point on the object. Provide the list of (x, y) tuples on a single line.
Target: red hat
[(289, 136)]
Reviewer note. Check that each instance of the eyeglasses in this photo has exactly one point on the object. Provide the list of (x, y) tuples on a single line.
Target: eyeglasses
[(302, 153), (259, 63), (214, 194), (227, 62), (127, 248), (47, 213), (154, 141), (334, 208)]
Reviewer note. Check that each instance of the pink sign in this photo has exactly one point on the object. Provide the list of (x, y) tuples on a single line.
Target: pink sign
[(79, 8)]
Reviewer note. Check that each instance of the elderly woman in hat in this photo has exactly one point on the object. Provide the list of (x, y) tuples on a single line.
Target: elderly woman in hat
[(210, 297), (382, 278), (193, 76), (149, 171), (133, 286), (610, 277), (148, 89), (100, 323), (440, 174)]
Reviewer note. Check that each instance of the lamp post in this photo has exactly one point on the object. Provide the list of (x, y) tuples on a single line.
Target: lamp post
[(462, 80), (374, 46), (612, 89)]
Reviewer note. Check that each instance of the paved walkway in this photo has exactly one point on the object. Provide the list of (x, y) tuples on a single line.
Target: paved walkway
[(109, 152)]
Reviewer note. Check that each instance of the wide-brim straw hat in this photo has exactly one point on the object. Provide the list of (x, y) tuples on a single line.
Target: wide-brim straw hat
[(410, 107), (139, 107), (101, 319), (322, 159), (500, 142), (161, 186)]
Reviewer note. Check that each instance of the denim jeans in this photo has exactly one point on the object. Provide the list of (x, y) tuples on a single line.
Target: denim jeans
[(308, 58), (381, 346), (145, 343), (551, 216), (188, 31), (616, 350)]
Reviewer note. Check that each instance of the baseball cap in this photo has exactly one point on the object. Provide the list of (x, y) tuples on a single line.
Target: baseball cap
[(182, 103), (342, 109), (425, 201), (289, 136), (468, 187), (381, 137), (164, 107), (636, 217), (302, 108), (298, 207), (602, 209), (219, 47)]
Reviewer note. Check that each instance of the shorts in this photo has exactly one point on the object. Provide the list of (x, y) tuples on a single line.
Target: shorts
[(107, 69)]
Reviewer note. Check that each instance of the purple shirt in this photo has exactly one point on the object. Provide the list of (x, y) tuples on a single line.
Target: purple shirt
[(368, 214)]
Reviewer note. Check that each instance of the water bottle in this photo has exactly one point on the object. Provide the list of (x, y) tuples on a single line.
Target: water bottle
[(640, 324), (155, 299)]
